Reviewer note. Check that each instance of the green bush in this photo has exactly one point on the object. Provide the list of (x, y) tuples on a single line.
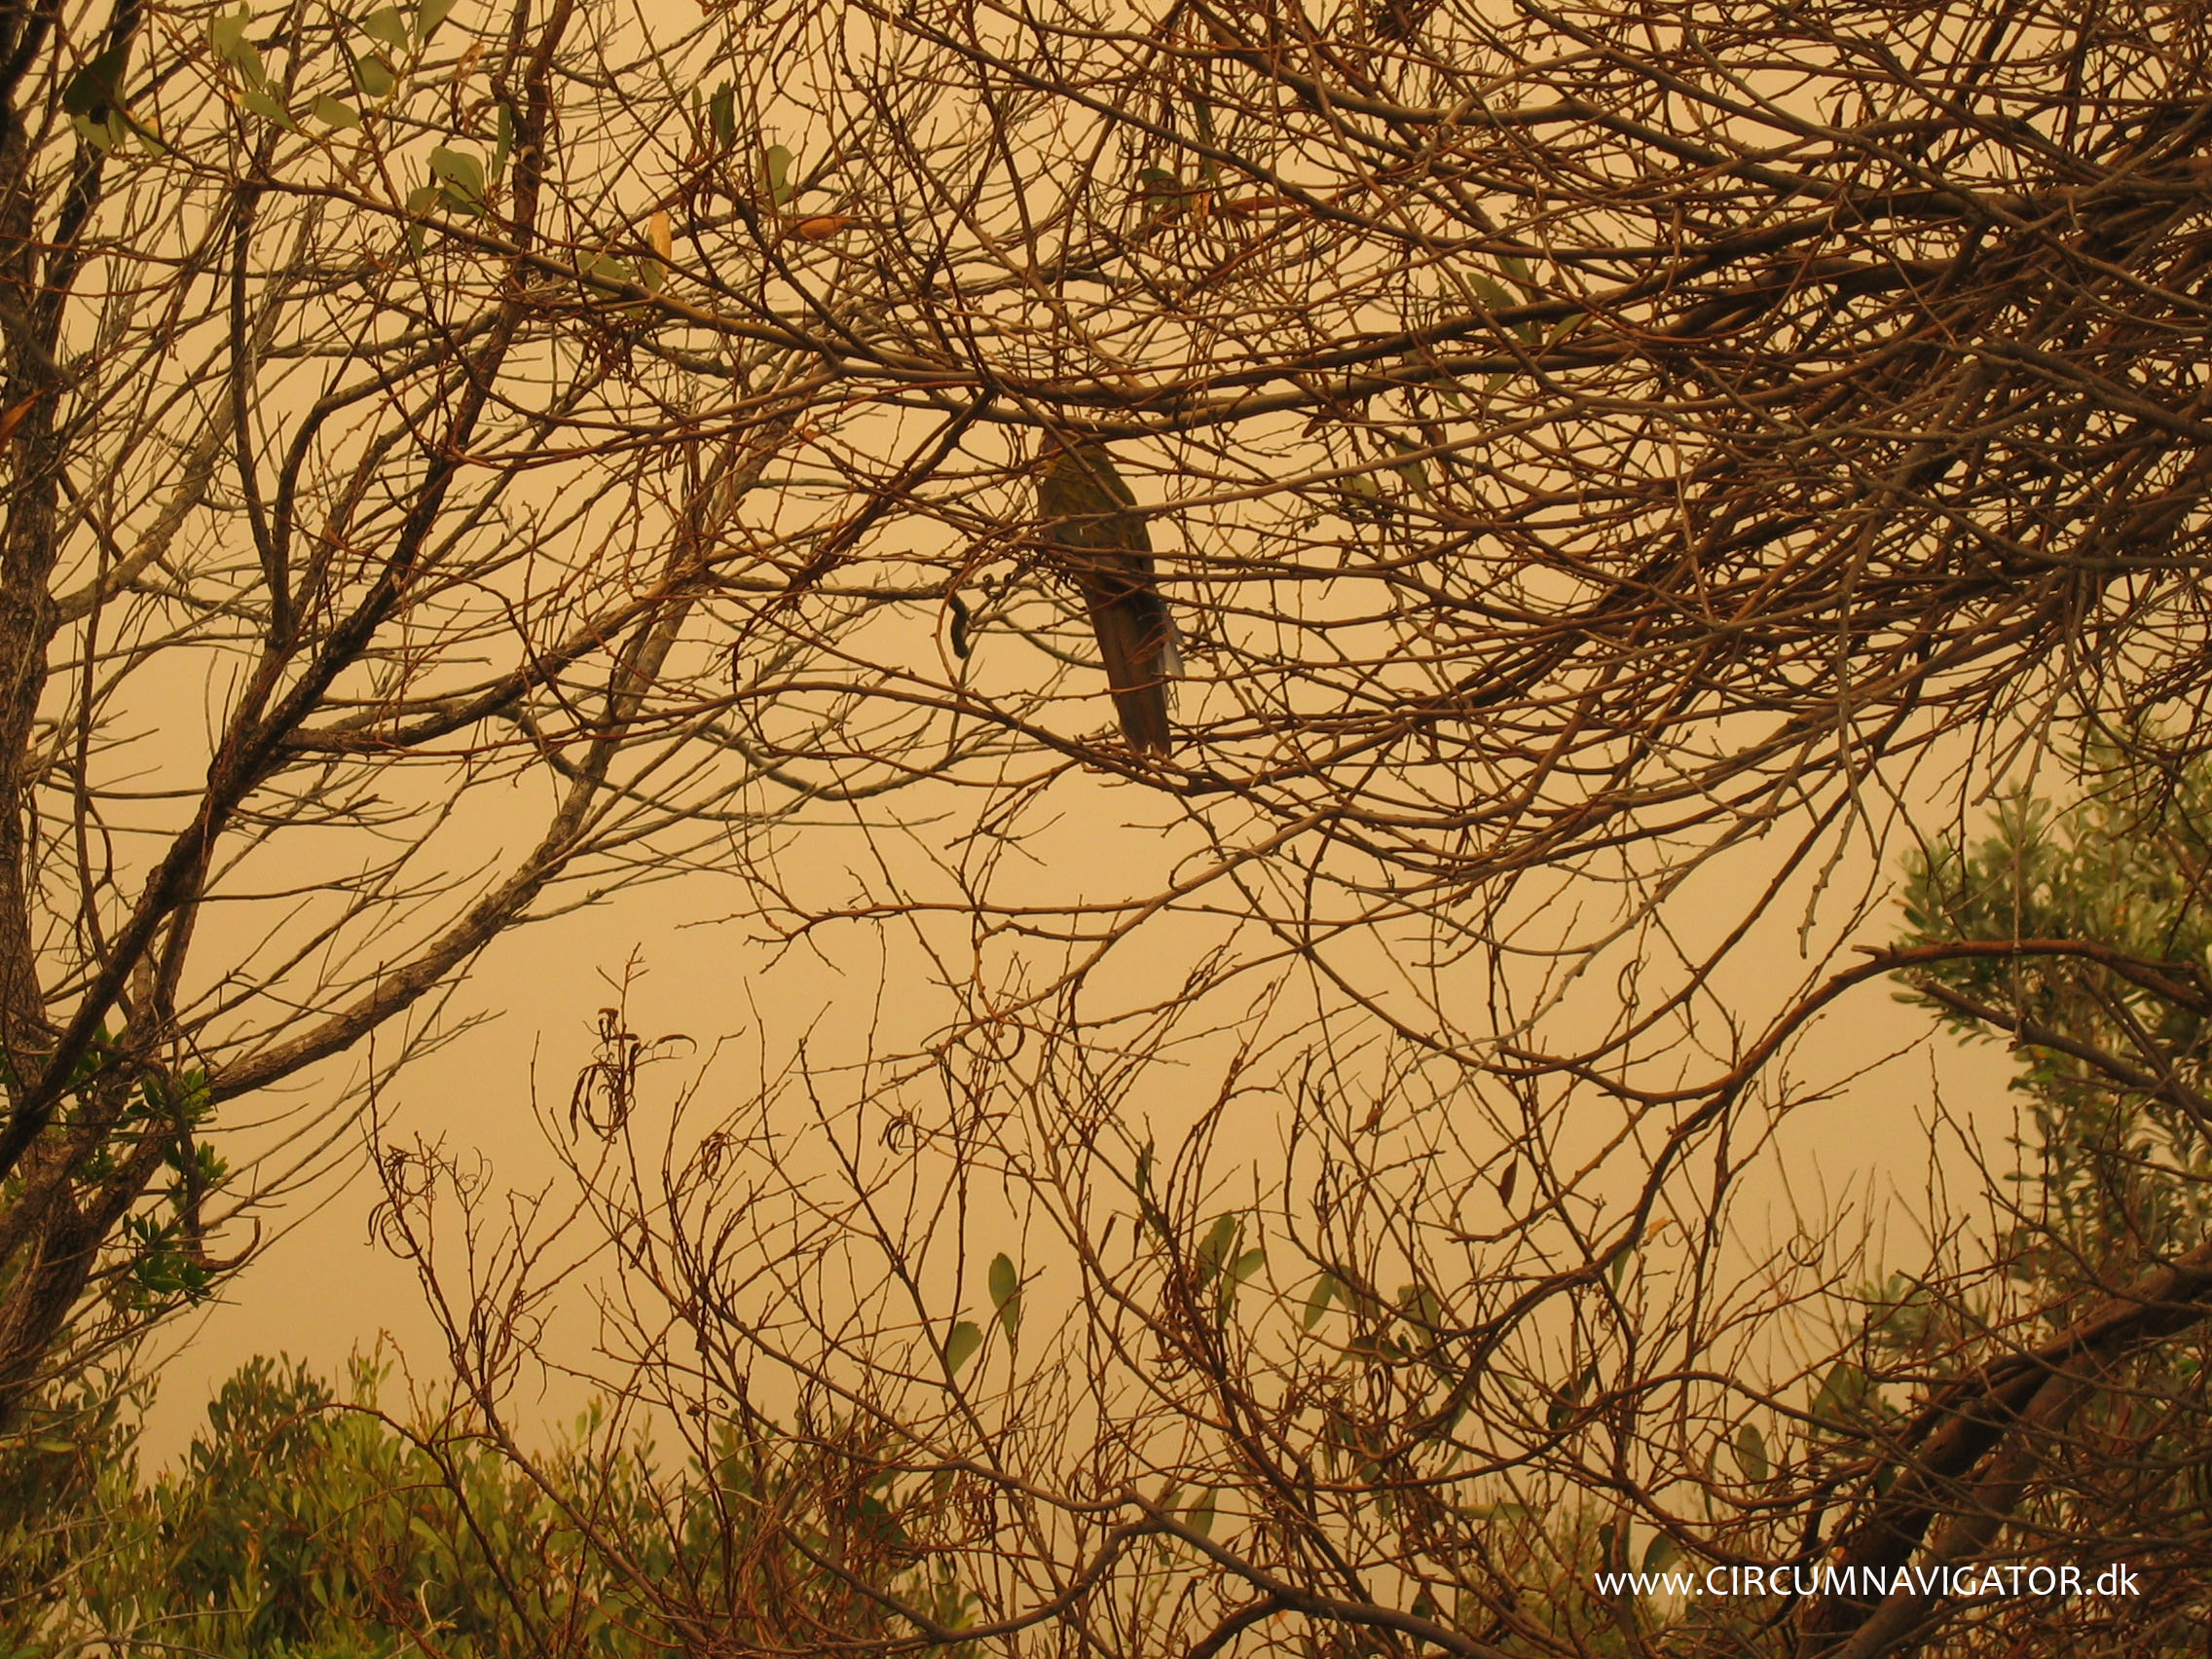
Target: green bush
[(307, 1525)]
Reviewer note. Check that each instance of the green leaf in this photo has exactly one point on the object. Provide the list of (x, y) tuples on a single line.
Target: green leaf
[(722, 113), (1006, 1293), (423, 198), (268, 109), (1496, 297), (460, 171), (227, 38), (1214, 1248), (461, 179), (1661, 1554), (1750, 1446), (331, 113), (960, 1346), (389, 26), (1495, 1511), (98, 86), (1842, 1396), (429, 15), (1166, 196), (1231, 1269), (373, 76), (1492, 293), (1325, 1290), (776, 173), (226, 32), (1199, 1517), (1422, 1308), (1563, 1407), (104, 132)]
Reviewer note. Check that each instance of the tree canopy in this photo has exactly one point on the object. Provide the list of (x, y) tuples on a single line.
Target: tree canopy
[(462, 462)]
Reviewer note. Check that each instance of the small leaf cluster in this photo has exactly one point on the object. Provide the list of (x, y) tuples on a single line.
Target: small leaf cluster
[(378, 49), (2125, 868)]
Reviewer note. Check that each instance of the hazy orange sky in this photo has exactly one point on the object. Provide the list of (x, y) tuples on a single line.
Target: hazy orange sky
[(322, 1288)]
